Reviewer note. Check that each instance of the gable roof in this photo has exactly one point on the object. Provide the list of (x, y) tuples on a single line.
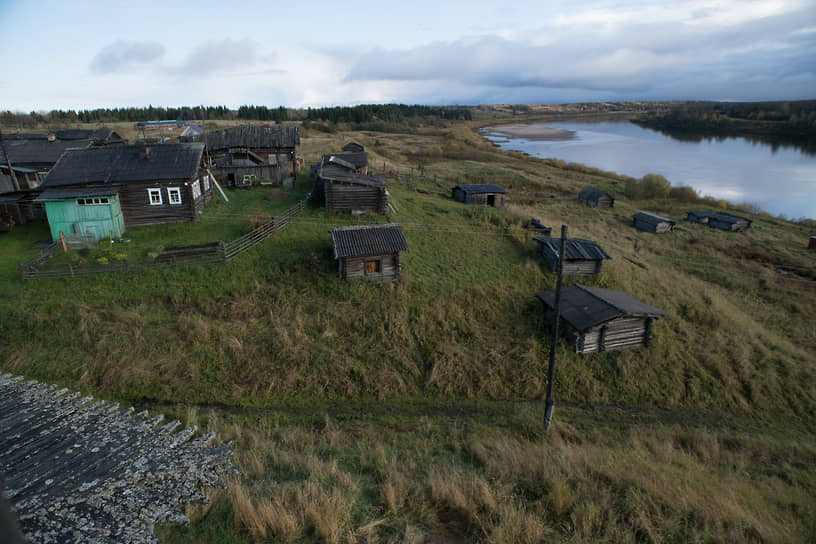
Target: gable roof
[(275, 136), (39, 150), (584, 307), (354, 147), (592, 193), (340, 174), (355, 159), (364, 240), (480, 188), (576, 248), (719, 216), (125, 163), (651, 218)]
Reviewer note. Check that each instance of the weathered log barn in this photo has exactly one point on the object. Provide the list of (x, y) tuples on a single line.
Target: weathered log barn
[(598, 319), (146, 185), (347, 192), (592, 196), (251, 152), (582, 257), (480, 193), (371, 252), (652, 223), (720, 220)]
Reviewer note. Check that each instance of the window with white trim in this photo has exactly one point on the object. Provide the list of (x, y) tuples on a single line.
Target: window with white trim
[(154, 197), (93, 201), (206, 183), (196, 189), (174, 195)]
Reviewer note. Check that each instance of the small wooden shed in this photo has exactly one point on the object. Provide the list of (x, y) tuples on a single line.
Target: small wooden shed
[(652, 223), (371, 252), (592, 196), (344, 191), (598, 319), (582, 257), (721, 220), (480, 193), (353, 147), (812, 244)]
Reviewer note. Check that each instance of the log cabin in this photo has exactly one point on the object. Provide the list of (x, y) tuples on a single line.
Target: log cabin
[(582, 257), (101, 192), (596, 319), (343, 191), (480, 193), (370, 252), (247, 153), (592, 196), (652, 223), (720, 220)]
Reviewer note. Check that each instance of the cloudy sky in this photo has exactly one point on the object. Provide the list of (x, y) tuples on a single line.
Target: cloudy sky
[(84, 54)]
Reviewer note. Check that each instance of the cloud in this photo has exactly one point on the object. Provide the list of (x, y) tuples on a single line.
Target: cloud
[(223, 56), (123, 55)]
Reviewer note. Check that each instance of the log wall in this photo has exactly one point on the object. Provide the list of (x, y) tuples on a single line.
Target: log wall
[(345, 198), (355, 267), (623, 333)]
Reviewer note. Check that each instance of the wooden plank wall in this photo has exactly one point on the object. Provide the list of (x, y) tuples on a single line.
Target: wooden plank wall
[(354, 267), (617, 334), (345, 198)]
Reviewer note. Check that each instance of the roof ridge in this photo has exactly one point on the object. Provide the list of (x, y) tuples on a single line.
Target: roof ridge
[(585, 289)]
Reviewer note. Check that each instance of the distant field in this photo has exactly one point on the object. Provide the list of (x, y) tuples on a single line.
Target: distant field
[(412, 412)]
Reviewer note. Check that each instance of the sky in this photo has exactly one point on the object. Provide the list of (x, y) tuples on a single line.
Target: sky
[(84, 54)]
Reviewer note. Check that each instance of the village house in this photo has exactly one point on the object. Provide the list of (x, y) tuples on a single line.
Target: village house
[(652, 223), (596, 319), (246, 154), (100, 192), (479, 193), (592, 196), (582, 257), (344, 191), (371, 252), (720, 220)]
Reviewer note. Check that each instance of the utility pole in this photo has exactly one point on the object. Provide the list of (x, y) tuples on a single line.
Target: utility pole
[(554, 340), (8, 163)]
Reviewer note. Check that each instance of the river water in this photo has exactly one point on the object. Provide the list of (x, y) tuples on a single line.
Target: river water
[(780, 181)]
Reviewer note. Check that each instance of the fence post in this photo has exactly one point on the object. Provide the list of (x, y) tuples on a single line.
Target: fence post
[(22, 272), (124, 265), (223, 252)]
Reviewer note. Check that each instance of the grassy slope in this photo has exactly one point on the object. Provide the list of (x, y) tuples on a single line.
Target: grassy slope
[(276, 331)]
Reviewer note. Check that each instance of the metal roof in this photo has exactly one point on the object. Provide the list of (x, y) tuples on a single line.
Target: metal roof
[(584, 307), (576, 248), (76, 192), (651, 218), (480, 188), (361, 241), (118, 164), (19, 169)]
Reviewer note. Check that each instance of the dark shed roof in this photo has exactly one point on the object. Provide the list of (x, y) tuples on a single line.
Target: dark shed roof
[(361, 241), (651, 218), (592, 193), (576, 248), (38, 150), (353, 147), (275, 136), (85, 134), (337, 173), (125, 163), (584, 307), (356, 160), (481, 188), (719, 216)]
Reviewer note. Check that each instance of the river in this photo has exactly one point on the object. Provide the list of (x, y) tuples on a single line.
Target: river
[(781, 181)]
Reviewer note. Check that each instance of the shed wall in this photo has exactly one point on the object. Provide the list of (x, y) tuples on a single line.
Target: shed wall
[(355, 267)]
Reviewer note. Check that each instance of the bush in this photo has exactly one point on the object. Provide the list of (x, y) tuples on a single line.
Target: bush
[(649, 186), (684, 194), (255, 220)]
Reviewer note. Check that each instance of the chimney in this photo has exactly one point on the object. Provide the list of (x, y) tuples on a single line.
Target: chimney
[(51, 136), (145, 154)]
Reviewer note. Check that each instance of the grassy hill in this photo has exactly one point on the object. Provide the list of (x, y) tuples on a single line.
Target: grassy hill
[(409, 412)]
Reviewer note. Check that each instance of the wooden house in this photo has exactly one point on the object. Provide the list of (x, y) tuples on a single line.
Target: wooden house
[(248, 153), (720, 220), (480, 193), (592, 196), (103, 191), (38, 153), (652, 223), (371, 252), (582, 257), (344, 191), (598, 319), (353, 147)]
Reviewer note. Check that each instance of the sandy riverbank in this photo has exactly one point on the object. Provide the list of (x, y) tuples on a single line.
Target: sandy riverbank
[(529, 132)]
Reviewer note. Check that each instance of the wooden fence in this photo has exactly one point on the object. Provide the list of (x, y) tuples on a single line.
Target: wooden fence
[(200, 254)]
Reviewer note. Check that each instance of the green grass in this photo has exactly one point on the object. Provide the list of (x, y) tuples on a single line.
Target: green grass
[(393, 411)]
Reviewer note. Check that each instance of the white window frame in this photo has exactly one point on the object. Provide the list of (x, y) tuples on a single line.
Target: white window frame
[(171, 192), (196, 189), (154, 191), (206, 183), (98, 201)]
